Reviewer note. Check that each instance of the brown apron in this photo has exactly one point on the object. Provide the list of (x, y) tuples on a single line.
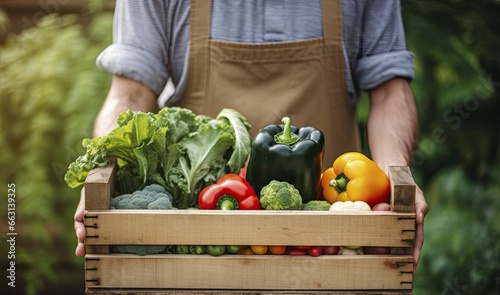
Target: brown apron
[(303, 80)]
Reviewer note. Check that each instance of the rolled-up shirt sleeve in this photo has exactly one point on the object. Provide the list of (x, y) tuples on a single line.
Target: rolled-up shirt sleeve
[(139, 48), (383, 53), (377, 69)]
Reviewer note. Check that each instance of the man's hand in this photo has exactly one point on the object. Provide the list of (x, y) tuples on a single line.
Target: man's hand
[(81, 233), (421, 210)]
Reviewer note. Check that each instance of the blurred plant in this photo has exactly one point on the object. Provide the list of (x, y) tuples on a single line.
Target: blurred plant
[(458, 158), (50, 92), (457, 83), (462, 244)]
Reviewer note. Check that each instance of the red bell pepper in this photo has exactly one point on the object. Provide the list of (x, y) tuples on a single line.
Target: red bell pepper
[(230, 192)]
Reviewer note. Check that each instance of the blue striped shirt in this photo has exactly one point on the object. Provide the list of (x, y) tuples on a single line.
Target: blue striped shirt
[(150, 38)]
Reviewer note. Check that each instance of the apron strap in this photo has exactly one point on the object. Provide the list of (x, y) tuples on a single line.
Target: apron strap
[(332, 36), (201, 13), (332, 20), (199, 51), (199, 21)]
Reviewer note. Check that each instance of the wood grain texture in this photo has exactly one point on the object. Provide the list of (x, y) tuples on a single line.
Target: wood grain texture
[(333, 272), (99, 188), (403, 189), (238, 292), (191, 227)]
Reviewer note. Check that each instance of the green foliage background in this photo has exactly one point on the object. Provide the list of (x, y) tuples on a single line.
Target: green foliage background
[(457, 88), (50, 91)]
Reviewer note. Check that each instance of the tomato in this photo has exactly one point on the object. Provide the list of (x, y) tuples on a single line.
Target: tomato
[(304, 248), (331, 250), (259, 249), (382, 207), (315, 251), (245, 251), (277, 250)]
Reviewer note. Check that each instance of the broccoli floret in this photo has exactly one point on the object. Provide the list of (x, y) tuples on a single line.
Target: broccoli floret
[(153, 197), (160, 203), (317, 205), (113, 204), (139, 201), (158, 189), (280, 195)]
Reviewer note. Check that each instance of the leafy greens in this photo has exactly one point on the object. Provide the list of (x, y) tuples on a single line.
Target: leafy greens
[(175, 148)]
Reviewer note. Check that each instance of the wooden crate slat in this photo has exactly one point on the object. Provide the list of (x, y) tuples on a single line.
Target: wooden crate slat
[(186, 227), (238, 272), (238, 292)]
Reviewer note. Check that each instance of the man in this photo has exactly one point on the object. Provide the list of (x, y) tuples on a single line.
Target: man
[(308, 60)]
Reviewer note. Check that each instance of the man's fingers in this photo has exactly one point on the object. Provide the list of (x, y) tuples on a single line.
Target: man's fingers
[(80, 250), (79, 227), (80, 231), (80, 208), (80, 235), (421, 209), (419, 242)]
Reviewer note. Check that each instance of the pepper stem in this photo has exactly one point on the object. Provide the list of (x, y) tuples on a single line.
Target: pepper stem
[(339, 183), (286, 136), (227, 202)]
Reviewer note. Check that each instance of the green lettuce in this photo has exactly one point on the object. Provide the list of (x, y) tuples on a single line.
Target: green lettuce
[(242, 141), (175, 148)]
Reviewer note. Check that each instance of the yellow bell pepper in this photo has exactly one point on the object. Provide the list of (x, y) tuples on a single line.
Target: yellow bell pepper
[(355, 177)]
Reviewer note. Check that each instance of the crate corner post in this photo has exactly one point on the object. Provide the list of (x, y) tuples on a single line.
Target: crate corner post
[(403, 189), (99, 188), (402, 199)]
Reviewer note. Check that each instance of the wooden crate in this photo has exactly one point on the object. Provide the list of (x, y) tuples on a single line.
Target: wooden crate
[(108, 273)]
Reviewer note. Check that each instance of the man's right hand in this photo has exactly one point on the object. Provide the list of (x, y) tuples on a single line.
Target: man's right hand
[(124, 94), (81, 233)]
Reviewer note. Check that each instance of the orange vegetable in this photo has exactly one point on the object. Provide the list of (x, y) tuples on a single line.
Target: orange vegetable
[(259, 249), (277, 250), (355, 177)]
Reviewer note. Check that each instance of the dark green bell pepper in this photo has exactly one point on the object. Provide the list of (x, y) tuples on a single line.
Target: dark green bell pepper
[(287, 153)]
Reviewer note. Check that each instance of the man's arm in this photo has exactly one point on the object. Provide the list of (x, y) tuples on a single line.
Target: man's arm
[(124, 94), (392, 136)]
